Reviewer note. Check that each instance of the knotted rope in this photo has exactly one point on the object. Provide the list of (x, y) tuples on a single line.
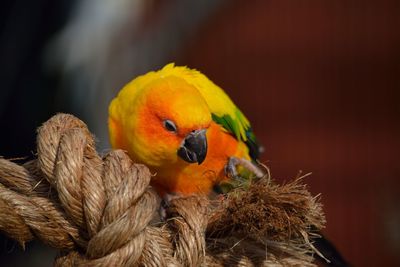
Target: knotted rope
[(101, 211)]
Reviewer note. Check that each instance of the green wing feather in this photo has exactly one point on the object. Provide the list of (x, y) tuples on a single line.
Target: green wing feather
[(232, 126)]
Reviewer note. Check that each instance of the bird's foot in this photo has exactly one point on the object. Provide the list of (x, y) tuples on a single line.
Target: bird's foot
[(239, 178), (165, 204), (234, 162)]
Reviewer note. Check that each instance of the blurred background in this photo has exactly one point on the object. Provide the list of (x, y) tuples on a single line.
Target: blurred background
[(319, 80)]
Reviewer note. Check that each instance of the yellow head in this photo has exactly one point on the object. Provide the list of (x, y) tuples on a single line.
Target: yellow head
[(160, 120)]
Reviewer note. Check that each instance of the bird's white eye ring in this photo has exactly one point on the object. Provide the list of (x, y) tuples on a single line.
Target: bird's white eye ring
[(170, 125)]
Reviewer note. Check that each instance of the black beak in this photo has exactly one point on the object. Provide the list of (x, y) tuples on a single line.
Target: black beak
[(194, 147)]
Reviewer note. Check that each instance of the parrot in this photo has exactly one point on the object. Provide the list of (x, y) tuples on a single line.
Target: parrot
[(185, 128), (189, 132)]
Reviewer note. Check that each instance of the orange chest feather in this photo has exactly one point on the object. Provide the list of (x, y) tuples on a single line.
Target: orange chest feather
[(186, 178)]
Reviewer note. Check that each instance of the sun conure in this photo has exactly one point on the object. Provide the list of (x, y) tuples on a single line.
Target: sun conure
[(184, 128), (190, 133)]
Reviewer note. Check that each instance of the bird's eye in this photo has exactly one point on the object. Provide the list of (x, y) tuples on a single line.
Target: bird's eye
[(170, 126)]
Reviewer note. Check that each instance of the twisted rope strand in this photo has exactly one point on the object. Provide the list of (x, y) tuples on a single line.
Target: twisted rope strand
[(101, 211)]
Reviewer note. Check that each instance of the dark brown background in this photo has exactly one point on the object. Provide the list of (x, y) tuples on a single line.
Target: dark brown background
[(320, 82)]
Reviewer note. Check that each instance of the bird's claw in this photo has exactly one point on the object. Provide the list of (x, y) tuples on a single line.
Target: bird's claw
[(165, 204), (230, 168), (233, 162)]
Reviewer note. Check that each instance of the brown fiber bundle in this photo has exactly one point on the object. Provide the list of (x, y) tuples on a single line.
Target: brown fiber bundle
[(100, 211)]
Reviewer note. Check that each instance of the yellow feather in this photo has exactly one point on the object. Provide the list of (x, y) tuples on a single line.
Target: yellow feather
[(218, 101)]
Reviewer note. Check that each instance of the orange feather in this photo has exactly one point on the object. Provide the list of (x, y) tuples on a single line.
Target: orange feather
[(186, 178)]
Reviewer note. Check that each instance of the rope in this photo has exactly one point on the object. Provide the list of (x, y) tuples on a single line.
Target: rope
[(101, 211)]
